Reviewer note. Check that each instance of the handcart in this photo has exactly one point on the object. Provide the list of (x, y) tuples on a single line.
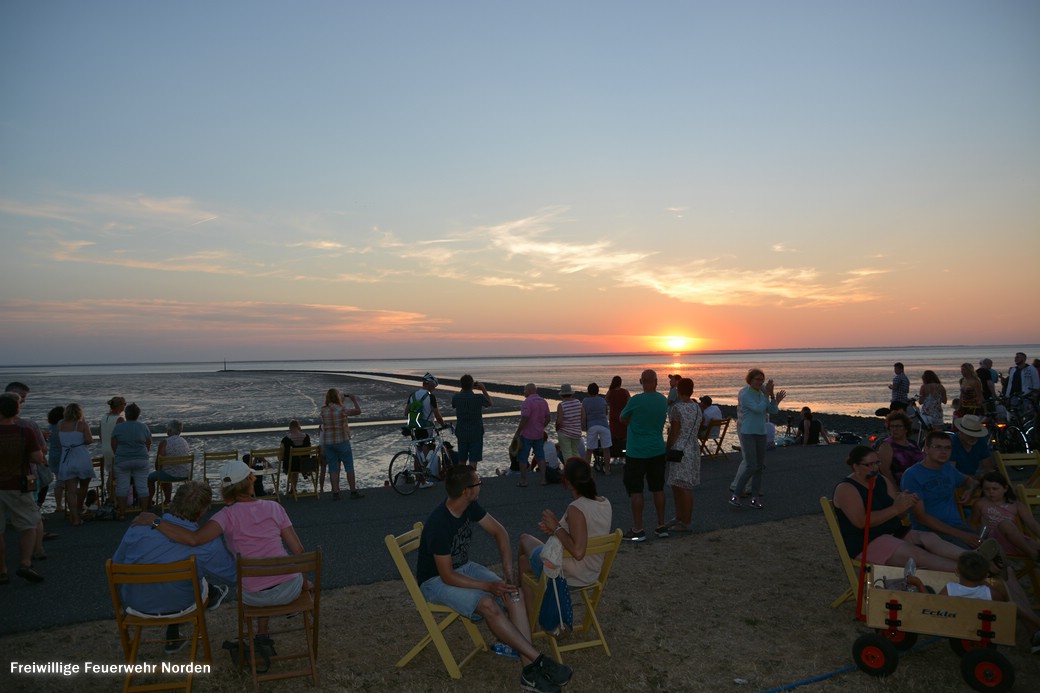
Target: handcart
[(974, 627)]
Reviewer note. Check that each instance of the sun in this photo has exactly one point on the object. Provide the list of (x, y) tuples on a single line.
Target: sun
[(675, 343)]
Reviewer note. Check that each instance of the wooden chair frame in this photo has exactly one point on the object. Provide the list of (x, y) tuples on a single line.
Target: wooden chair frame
[(308, 604), (170, 461), (607, 545), (1019, 459), (270, 455), (125, 574), (848, 564), (399, 547), (211, 475), (295, 456), (707, 442)]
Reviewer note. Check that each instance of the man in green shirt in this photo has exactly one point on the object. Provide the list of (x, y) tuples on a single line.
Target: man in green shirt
[(645, 415)]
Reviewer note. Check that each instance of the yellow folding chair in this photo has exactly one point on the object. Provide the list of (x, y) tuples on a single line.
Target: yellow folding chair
[(131, 625), (399, 547), (162, 463), (848, 564), (307, 604), (211, 464), (605, 545), (303, 461), (1022, 464)]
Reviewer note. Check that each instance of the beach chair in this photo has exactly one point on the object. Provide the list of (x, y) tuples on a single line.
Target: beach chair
[(303, 462), (848, 564), (1029, 496), (399, 547), (307, 605), (164, 461), (607, 545), (131, 624), (211, 464), (272, 457), (712, 446), (1024, 465)]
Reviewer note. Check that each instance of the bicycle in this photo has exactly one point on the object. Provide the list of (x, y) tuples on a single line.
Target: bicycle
[(1014, 425), (410, 469)]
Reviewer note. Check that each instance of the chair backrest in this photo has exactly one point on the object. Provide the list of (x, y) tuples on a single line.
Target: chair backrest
[(298, 454), (399, 547), (273, 457), (1029, 496), (176, 460), (308, 562), (723, 427), (1028, 460), (832, 522), (607, 545), (148, 574)]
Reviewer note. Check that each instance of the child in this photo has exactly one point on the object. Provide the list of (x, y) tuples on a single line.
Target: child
[(997, 510), (972, 571)]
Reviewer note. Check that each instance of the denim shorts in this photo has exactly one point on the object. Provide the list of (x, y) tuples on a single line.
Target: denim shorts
[(462, 599), (339, 452), (471, 451)]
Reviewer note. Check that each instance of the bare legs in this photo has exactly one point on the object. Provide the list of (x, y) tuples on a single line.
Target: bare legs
[(683, 498), (511, 626)]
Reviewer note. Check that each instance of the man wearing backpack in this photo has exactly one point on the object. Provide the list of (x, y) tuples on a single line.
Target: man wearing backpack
[(421, 409)]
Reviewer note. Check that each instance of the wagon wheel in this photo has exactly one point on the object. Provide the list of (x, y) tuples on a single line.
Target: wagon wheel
[(901, 639), (963, 647), (875, 655), (987, 670)]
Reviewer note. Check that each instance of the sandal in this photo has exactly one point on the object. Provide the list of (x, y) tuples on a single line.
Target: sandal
[(29, 574), (47, 536), (39, 556)]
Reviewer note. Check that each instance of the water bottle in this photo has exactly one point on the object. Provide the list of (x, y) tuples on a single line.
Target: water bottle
[(505, 650), (908, 571)]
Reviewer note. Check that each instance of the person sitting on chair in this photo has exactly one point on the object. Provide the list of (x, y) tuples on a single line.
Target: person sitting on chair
[(296, 438)]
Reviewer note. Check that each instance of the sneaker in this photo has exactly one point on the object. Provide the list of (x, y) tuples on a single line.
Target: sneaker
[(221, 594), (734, 500), (635, 536), (559, 674), (174, 646), (661, 532), (534, 678), (757, 502), (426, 484)]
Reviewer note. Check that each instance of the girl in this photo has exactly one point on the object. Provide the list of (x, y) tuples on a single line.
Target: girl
[(997, 510)]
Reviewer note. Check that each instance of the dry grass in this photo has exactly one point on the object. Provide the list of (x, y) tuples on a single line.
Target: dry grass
[(689, 614)]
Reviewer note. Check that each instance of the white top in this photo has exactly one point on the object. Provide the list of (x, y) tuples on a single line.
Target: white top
[(956, 589), (598, 515)]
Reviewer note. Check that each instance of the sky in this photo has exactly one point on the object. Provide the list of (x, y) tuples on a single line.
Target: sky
[(199, 181)]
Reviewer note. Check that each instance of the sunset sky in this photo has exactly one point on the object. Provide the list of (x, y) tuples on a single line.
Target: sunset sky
[(274, 180)]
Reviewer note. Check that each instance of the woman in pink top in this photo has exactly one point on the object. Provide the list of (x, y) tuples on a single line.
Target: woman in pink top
[(253, 528)]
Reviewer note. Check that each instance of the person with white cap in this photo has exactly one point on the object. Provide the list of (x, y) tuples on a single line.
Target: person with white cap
[(971, 453)]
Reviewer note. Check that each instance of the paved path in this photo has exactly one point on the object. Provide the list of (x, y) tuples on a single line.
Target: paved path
[(351, 532)]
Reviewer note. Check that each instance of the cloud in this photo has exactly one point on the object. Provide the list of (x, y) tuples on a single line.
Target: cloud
[(781, 248)]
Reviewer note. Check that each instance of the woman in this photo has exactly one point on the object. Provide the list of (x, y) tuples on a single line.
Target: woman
[(173, 445), (76, 468), (336, 440), (897, 453), (131, 443), (296, 438), (810, 430), (684, 421), (116, 407), (754, 405), (932, 396), (971, 392), (617, 398), (588, 515), (890, 542), (54, 450), (253, 528)]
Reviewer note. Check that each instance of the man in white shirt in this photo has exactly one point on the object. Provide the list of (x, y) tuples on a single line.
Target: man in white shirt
[(711, 413)]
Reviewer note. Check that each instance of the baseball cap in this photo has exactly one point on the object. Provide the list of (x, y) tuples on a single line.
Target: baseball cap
[(234, 472)]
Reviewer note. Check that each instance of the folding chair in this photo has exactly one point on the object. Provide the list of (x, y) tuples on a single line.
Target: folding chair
[(303, 461), (273, 459), (1029, 496), (712, 446), (1022, 463), (211, 464), (131, 625), (399, 547), (607, 545), (308, 604), (164, 461), (848, 564)]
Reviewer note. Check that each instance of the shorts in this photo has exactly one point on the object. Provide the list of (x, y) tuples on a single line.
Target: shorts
[(461, 599), (282, 593), (650, 468), (336, 453), (598, 437), (528, 444), (880, 550), (22, 506), (471, 451)]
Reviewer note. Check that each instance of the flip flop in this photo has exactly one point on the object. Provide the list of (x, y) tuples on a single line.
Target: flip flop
[(522, 485), (47, 536), (29, 574)]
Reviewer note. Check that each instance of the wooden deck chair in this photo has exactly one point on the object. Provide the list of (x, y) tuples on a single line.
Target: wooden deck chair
[(712, 446), (848, 564), (164, 461), (303, 462), (607, 545), (1029, 496), (308, 605), (1019, 467), (399, 547), (131, 624), (273, 471), (211, 464)]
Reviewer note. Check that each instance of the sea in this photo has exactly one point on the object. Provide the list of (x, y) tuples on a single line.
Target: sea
[(246, 405)]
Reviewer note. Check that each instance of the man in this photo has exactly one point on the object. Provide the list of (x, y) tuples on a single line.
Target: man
[(987, 364), (421, 410), (900, 388), (469, 425), (447, 577), (934, 482), (645, 415), (534, 417), (1022, 378), (22, 392), (673, 388), (598, 428), (971, 454), (19, 450), (710, 412), (143, 545)]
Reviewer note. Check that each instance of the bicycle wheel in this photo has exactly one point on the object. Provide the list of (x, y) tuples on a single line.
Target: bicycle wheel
[(1010, 439), (404, 477)]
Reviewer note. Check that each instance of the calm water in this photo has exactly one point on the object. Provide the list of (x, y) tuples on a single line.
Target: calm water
[(249, 405)]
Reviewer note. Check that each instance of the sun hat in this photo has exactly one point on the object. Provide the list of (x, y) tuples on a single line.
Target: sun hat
[(565, 390), (971, 425), (234, 472)]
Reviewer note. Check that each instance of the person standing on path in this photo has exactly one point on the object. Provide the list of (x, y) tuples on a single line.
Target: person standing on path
[(597, 427), (469, 424), (534, 417), (754, 405), (109, 420), (644, 415), (335, 440), (617, 398), (900, 388), (570, 422)]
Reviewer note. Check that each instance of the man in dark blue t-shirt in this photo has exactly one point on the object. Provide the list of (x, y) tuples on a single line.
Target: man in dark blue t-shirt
[(447, 577)]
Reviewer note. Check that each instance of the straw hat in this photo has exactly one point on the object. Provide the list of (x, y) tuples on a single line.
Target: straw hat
[(971, 425)]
